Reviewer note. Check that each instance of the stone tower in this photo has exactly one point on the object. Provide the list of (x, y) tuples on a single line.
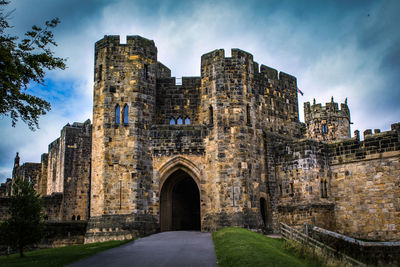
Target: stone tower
[(327, 123), (124, 98), (234, 142)]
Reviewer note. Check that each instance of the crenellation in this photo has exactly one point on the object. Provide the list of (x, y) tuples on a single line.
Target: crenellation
[(223, 149), (327, 123)]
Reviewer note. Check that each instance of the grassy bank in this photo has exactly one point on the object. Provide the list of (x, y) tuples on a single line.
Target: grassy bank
[(57, 256), (241, 247)]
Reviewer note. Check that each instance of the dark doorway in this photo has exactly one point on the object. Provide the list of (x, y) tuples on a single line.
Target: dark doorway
[(180, 203), (262, 210)]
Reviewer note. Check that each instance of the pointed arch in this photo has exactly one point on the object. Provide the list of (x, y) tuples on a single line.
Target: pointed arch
[(177, 163), (179, 121), (117, 114), (187, 120), (172, 121), (180, 195), (126, 114)]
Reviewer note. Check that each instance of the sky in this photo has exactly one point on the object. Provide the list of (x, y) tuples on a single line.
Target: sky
[(334, 48)]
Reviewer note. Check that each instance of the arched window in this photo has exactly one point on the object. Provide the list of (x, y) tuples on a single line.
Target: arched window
[(126, 114), (324, 189), (78, 218), (291, 190), (179, 121), (211, 115), (172, 121), (73, 217), (324, 129), (117, 114), (187, 120)]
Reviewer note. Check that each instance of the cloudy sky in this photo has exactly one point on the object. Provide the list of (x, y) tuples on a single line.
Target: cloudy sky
[(334, 48)]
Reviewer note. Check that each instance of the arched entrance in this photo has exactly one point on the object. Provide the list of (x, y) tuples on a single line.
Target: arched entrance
[(179, 203), (263, 210)]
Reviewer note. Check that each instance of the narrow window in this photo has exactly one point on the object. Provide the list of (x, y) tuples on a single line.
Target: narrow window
[(172, 121), (325, 189), (117, 114), (73, 217), (211, 115), (248, 114), (179, 121), (322, 188), (187, 120), (146, 71), (100, 72), (324, 129), (126, 114), (291, 189), (78, 218)]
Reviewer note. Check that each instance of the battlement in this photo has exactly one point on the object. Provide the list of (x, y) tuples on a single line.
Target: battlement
[(373, 146), (131, 40), (271, 73), (330, 109), (219, 54), (327, 123), (135, 43)]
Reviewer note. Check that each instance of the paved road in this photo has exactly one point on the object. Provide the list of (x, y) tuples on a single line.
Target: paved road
[(181, 248)]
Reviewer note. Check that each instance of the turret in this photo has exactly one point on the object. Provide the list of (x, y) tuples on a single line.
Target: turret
[(327, 123), (124, 97), (228, 108)]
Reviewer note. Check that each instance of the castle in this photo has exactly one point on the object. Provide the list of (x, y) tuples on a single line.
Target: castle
[(223, 149)]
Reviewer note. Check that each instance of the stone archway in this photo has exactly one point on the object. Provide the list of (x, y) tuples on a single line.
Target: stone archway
[(179, 202)]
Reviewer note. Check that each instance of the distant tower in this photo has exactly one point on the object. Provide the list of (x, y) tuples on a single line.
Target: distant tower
[(16, 164), (327, 123)]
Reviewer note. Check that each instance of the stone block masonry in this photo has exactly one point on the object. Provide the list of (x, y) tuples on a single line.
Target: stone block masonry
[(223, 149)]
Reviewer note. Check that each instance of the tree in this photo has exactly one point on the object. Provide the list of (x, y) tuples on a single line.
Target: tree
[(25, 225), (24, 62)]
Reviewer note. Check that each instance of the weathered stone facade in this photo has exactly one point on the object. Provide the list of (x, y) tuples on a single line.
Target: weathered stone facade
[(63, 176), (223, 149), (327, 123)]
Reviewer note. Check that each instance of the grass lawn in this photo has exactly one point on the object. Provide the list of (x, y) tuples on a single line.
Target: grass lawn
[(241, 247), (57, 256)]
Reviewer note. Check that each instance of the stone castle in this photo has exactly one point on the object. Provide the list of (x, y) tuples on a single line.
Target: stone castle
[(223, 149)]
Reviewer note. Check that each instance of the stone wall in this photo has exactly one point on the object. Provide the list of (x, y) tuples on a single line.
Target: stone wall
[(28, 172), (42, 184), (55, 177), (52, 205), (366, 186), (303, 181), (178, 101), (78, 144), (320, 214)]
